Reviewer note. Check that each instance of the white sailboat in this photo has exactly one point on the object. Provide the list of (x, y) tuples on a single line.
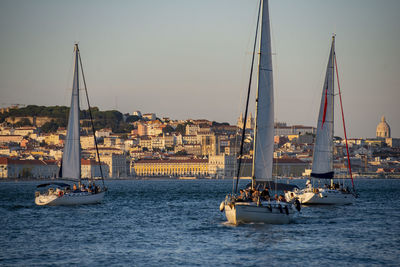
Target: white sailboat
[(62, 193), (260, 209), (322, 167)]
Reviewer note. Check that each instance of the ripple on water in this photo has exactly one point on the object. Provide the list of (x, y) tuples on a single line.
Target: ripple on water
[(178, 223)]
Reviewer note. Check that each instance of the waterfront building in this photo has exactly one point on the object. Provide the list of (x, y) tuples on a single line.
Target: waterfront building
[(170, 167), (17, 168), (90, 168), (118, 165), (221, 166)]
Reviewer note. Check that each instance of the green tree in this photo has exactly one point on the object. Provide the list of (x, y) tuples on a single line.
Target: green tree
[(49, 127), (23, 122), (181, 128)]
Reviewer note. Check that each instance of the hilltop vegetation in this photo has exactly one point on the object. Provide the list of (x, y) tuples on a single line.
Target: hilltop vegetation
[(112, 119)]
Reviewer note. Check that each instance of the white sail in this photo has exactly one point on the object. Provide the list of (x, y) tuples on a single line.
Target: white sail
[(71, 161), (323, 149), (264, 130)]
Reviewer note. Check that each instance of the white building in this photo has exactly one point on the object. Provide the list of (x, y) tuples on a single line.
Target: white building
[(221, 166), (91, 169), (118, 165), (15, 168)]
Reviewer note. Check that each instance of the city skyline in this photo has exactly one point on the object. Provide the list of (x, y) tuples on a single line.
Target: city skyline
[(187, 59)]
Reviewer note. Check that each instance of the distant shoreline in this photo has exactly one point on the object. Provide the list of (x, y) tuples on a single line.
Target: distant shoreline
[(177, 178)]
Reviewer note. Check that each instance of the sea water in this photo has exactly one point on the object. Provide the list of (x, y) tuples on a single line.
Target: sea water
[(178, 223)]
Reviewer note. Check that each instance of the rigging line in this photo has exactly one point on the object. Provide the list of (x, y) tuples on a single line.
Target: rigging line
[(247, 101), (344, 124), (91, 118)]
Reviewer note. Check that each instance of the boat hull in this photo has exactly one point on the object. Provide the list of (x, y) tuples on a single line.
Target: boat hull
[(322, 197), (248, 212), (80, 198)]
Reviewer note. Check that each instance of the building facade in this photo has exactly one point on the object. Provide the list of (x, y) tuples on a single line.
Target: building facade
[(171, 167)]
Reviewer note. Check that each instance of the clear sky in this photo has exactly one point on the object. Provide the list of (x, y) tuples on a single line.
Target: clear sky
[(190, 59)]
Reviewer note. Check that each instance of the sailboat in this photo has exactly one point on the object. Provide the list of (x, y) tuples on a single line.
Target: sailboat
[(256, 206), (322, 167), (62, 193)]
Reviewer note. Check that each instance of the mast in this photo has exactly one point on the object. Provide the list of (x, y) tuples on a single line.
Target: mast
[(344, 125), (247, 101), (71, 161)]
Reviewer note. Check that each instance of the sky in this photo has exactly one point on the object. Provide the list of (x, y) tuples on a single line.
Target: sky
[(191, 59)]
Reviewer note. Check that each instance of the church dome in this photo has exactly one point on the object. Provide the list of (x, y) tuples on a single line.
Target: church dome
[(383, 129)]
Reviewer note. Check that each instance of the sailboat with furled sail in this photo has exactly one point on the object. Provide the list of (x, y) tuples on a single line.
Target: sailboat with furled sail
[(60, 193), (322, 168), (254, 204)]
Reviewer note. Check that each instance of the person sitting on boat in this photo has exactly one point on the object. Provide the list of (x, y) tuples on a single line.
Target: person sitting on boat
[(308, 184), (83, 187), (74, 188), (97, 189), (255, 196), (265, 194), (241, 196), (90, 188), (281, 198)]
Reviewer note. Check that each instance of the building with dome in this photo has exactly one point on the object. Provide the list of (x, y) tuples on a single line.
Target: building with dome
[(383, 129)]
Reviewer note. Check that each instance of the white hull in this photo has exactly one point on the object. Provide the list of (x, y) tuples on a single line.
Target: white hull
[(80, 198), (321, 196), (250, 212)]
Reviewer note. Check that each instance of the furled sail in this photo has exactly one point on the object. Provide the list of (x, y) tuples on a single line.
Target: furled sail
[(264, 131), (323, 149), (71, 160)]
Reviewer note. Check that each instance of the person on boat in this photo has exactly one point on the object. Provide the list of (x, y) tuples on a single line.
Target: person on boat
[(255, 196), (90, 188), (308, 184), (95, 188), (265, 194), (83, 187), (242, 195), (74, 188)]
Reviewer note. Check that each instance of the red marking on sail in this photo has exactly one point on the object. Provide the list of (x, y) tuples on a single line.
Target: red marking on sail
[(325, 106)]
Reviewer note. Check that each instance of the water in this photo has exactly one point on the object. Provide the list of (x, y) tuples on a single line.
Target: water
[(178, 223)]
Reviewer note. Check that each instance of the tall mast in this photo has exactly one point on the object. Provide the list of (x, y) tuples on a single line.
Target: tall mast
[(247, 102)]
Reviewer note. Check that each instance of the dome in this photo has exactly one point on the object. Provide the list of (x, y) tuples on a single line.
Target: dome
[(383, 129)]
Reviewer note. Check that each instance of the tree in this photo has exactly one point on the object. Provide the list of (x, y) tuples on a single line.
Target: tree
[(132, 118), (181, 153), (23, 122), (168, 129), (49, 127), (181, 128)]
